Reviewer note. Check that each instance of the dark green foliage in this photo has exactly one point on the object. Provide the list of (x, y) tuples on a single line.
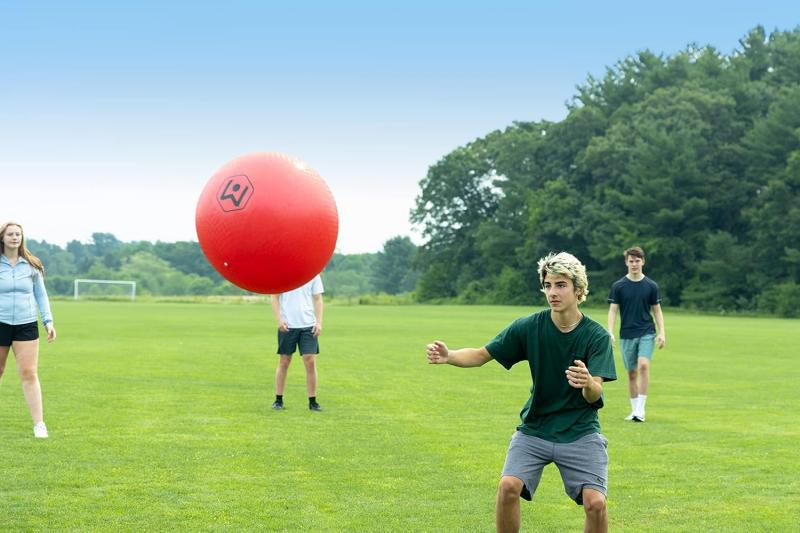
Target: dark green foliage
[(437, 282), (392, 272), (720, 281), (694, 157), (349, 275), (513, 288), (782, 299)]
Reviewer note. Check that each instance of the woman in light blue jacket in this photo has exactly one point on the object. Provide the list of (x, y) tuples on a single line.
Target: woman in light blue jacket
[(22, 293)]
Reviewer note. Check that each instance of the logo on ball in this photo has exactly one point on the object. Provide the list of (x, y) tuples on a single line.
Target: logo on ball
[(234, 193)]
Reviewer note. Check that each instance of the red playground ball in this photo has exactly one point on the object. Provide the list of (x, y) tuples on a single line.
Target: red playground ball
[(267, 222)]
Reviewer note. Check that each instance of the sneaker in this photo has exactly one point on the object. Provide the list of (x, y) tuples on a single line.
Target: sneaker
[(315, 406), (40, 430), (278, 406), (629, 417), (638, 418)]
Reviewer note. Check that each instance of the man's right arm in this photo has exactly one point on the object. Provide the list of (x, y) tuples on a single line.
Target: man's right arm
[(612, 320), (439, 354), (276, 311)]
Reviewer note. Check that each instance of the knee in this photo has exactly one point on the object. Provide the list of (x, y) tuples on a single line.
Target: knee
[(284, 362), (28, 375), (644, 366), (310, 361), (633, 374), (594, 503), (509, 488)]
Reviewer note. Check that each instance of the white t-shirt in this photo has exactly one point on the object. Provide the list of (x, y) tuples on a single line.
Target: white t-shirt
[(297, 306)]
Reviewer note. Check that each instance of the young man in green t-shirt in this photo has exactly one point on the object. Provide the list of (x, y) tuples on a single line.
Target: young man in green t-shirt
[(570, 357)]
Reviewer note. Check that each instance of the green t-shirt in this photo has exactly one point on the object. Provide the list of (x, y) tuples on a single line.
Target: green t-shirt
[(555, 411)]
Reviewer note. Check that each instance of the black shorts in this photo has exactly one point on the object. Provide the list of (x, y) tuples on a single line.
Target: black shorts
[(288, 341), (20, 332)]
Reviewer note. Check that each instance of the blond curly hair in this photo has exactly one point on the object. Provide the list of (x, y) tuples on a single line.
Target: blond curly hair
[(565, 264)]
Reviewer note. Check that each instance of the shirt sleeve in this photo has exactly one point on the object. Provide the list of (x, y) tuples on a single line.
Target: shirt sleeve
[(613, 296), (655, 295), (508, 347), (40, 293), (316, 285), (601, 357)]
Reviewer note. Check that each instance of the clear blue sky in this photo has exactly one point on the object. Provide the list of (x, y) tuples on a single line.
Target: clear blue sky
[(113, 115)]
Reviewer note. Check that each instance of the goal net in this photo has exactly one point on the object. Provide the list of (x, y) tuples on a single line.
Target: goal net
[(105, 288)]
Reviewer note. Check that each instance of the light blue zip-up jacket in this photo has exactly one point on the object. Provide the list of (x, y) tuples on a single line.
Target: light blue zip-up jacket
[(21, 293)]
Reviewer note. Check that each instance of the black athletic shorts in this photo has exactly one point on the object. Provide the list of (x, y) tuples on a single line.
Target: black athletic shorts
[(20, 332), (288, 341)]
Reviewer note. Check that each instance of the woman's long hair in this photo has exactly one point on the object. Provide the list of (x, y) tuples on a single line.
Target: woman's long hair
[(23, 250)]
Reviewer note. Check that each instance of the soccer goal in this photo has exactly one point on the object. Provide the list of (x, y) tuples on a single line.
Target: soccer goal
[(104, 288)]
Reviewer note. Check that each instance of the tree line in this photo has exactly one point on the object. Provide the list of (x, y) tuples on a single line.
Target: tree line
[(181, 269), (695, 157)]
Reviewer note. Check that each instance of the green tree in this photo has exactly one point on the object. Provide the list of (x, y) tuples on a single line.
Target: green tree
[(437, 282), (186, 256), (104, 243), (393, 271), (690, 156), (720, 282), (349, 275), (773, 148)]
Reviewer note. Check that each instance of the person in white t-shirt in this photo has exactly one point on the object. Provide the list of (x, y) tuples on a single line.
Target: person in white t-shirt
[(299, 317)]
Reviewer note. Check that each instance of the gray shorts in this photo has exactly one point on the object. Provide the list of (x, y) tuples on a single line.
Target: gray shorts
[(583, 464)]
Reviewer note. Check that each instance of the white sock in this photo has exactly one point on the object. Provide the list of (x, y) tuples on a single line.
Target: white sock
[(634, 405), (642, 399)]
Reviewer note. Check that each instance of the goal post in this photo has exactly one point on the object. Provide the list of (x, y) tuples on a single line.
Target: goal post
[(105, 282)]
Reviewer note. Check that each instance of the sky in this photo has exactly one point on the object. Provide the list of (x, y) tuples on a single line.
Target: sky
[(114, 115)]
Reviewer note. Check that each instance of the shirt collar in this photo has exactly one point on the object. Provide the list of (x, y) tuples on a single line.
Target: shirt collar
[(20, 259)]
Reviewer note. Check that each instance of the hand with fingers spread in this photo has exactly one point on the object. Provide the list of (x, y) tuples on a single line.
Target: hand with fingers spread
[(437, 353)]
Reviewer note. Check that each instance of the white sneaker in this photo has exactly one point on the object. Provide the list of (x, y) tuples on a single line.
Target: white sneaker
[(638, 417), (629, 417), (40, 431)]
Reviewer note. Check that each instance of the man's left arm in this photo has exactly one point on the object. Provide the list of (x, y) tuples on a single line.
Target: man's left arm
[(661, 338), (318, 305)]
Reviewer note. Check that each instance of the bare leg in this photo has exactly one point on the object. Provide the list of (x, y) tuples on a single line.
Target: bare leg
[(3, 358), (507, 513), (310, 362), (594, 505), (633, 385), (644, 375), (27, 354), (280, 373)]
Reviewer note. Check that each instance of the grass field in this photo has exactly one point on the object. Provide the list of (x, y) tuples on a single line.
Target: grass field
[(160, 419)]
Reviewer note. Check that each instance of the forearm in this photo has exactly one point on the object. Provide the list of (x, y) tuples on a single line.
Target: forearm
[(318, 307), (468, 357), (276, 308), (659, 316), (593, 390), (612, 319)]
